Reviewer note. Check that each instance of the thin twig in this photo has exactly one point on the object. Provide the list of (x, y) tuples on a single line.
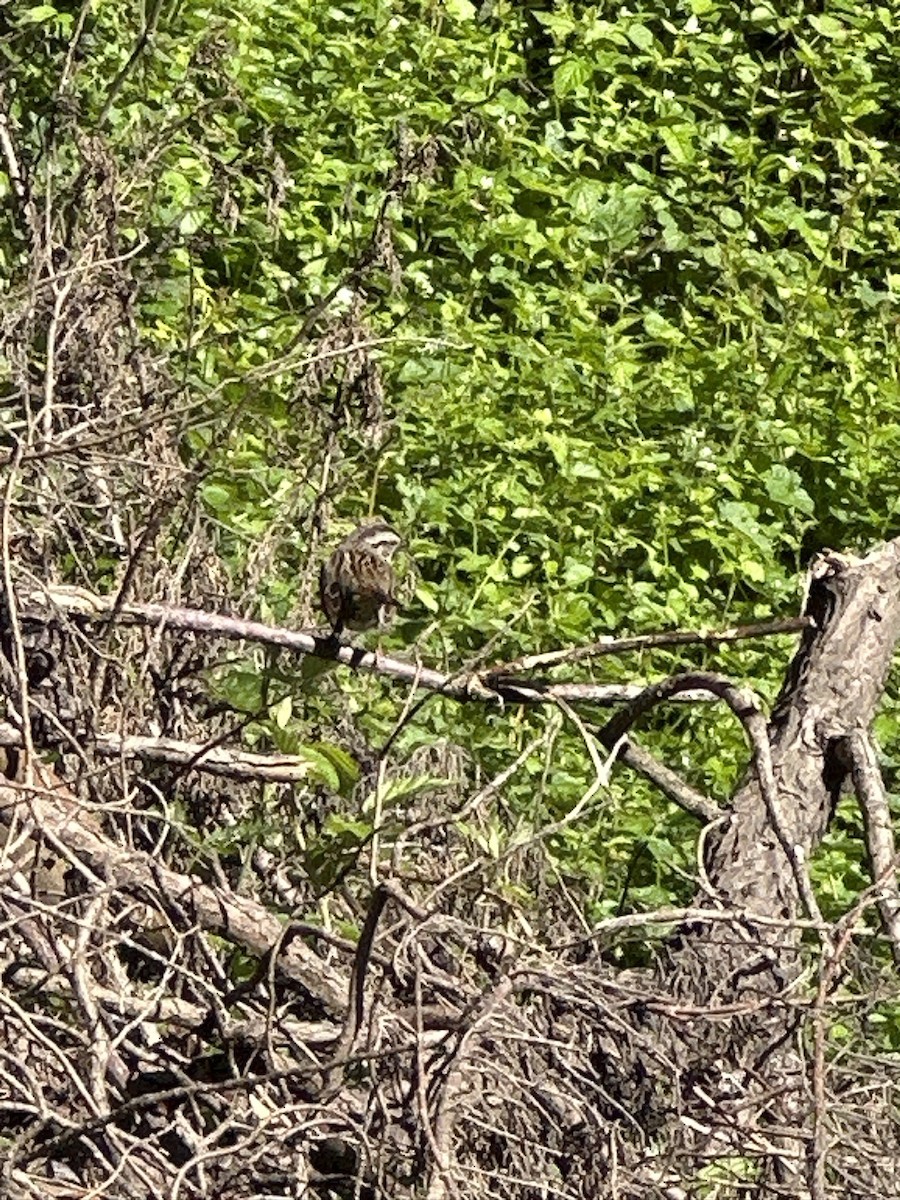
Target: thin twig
[(356, 997), (12, 609), (143, 38), (649, 641), (45, 416), (13, 170), (485, 793), (292, 361)]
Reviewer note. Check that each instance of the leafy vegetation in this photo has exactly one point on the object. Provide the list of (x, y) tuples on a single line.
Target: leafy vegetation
[(597, 303)]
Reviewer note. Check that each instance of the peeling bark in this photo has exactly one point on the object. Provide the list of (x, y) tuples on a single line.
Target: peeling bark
[(748, 1070), (831, 691)]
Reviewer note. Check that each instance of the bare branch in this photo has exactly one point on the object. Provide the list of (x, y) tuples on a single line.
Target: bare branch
[(55, 810), (668, 781), (18, 181), (649, 641), (748, 710), (11, 604), (879, 829), (213, 760), (46, 603)]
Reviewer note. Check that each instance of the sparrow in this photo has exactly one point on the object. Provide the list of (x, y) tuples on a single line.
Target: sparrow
[(356, 584)]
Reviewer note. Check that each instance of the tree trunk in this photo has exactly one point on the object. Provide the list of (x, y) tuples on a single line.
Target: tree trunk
[(747, 1069)]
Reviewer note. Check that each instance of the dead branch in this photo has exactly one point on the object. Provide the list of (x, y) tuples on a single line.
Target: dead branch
[(668, 781), (748, 710), (149, 1005), (649, 641), (48, 604), (55, 810), (16, 649), (831, 689), (879, 829), (230, 763), (213, 760), (18, 180)]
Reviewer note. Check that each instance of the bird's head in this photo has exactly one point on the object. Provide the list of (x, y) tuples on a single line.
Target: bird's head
[(377, 536)]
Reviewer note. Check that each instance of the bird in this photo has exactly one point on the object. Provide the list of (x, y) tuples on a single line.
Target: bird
[(356, 584)]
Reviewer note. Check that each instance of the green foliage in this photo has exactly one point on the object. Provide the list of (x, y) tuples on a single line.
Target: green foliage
[(639, 323), (336, 850)]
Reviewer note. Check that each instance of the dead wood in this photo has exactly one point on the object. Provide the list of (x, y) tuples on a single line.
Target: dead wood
[(48, 605), (54, 811), (550, 1050), (197, 1000)]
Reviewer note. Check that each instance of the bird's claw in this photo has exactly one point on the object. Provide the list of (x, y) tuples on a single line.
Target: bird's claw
[(475, 689)]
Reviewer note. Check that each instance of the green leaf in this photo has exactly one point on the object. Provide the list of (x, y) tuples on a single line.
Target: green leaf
[(570, 75), (216, 497), (40, 14), (829, 27), (426, 597), (731, 218), (753, 570), (461, 10), (344, 767), (282, 712), (242, 689), (785, 487), (575, 573), (656, 326), (640, 36), (407, 787), (679, 141)]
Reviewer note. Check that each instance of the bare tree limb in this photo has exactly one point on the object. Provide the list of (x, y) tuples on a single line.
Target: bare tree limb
[(879, 830), (748, 710), (16, 647), (54, 809), (210, 758), (213, 760), (649, 641), (46, 603), (18, 180), (230, 763), (668, 781)]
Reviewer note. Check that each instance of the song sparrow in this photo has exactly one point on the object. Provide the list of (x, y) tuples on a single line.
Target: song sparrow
[(356, 584)]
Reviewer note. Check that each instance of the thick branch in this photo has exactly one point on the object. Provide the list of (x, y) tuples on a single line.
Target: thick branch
[(46, 604), (213, 760), (831, 691), (209, 758), (57, 813)]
